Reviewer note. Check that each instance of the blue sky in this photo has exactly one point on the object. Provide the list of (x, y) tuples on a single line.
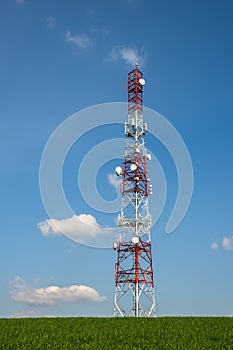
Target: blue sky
[(58, 57)]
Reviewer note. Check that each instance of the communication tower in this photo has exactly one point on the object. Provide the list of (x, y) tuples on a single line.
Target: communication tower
[(134, 293)]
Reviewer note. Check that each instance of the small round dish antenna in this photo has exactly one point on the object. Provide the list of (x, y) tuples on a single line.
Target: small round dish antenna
[(142, 82), (135, 240), (133, 167), (118, 171)]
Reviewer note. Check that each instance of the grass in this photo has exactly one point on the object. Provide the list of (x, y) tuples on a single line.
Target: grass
[(183, 333)]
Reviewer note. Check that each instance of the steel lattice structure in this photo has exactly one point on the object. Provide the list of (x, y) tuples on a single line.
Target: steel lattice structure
[(134, 293)]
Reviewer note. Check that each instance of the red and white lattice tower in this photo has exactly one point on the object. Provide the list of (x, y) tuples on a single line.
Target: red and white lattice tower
[(134, 294)]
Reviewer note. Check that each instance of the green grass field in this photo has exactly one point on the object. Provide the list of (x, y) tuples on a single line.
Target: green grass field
[(117, 333)]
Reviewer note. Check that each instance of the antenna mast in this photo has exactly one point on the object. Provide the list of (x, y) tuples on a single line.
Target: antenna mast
[(134, 293)]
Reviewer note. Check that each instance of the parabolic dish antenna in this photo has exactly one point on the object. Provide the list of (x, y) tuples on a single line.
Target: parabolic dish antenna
[(118, 171), (133, 167), (142, 81), (135, 240)]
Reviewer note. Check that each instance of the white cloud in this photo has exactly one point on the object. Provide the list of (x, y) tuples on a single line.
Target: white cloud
[(227, 243), (24, 314), (129, 55), (80, 40), (51, 22), (80, 227), (214, 246), (114, 180), (51, 295)]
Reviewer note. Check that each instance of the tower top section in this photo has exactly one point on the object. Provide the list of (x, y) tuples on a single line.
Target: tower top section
[(135, 91), (135, 128)]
